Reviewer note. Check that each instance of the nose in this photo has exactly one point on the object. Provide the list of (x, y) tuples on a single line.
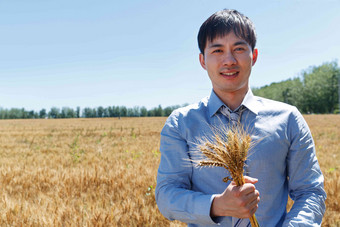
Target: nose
[(229, 59)]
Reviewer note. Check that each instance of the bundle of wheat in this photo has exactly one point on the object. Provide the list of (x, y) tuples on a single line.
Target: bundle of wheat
[(228, 148)]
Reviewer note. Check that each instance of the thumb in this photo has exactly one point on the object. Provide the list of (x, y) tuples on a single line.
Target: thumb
[(251, 180)]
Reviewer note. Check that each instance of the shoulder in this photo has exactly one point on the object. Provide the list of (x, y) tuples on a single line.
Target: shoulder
[(272, 107), (283, 112)]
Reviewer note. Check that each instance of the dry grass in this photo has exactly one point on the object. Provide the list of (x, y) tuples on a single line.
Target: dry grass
[(85, 172), (102, 172), (326, 134)]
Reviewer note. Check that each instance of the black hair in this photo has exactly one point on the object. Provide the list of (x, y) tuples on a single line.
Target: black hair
[(221, 23)]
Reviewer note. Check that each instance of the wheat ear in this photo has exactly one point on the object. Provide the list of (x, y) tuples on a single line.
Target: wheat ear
[(228, 149)]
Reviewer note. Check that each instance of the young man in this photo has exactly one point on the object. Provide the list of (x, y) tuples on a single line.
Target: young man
[(282, 162)]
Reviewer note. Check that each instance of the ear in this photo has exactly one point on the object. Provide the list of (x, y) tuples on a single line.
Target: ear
[(202, 61), (255, 53)]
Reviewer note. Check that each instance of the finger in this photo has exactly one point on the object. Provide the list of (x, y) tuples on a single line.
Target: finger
[(252, 194), (253, 200), (248, 208), (251, 180), (255, 207), (246, 189), (242, 190), (253, 210)]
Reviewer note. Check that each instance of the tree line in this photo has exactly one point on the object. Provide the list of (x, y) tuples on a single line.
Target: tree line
[(315, 91), (99, 112)]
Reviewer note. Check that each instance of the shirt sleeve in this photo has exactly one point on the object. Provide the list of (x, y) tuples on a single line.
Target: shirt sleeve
[(305, 180), (174, 196)]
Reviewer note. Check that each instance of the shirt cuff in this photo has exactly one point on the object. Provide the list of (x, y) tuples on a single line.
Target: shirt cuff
[(201, 210), (216, 220)]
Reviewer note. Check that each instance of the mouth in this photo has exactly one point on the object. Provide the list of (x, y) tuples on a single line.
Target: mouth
[(229, 74)]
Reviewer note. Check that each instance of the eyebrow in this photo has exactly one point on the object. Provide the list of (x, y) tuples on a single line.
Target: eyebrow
[(235, 44)]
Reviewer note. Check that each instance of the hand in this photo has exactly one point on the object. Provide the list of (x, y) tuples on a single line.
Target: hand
[(239, 202)]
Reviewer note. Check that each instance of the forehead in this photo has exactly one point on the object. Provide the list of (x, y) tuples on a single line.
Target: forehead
[(228, 39)]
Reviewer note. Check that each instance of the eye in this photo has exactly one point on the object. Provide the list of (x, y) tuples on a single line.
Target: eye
[(217, 51), (239, 49)]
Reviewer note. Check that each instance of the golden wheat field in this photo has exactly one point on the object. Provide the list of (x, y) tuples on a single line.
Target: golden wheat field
[(102, 172)]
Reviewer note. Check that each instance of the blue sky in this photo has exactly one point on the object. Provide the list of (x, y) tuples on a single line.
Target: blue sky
[(144, 53)]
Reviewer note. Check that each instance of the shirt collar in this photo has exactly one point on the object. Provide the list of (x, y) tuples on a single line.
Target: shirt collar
[(249, 101), (214, 103)]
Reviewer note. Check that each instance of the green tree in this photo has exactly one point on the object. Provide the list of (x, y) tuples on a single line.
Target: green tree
[(143, 111), (317, 92), (159, 111), (152, 112), (122, 111), (288, 91), (3, 113), (100, 111), (116, 111), (42, 113), (88, 112), (320, 93), (78, 112), (167, 111), (15, 113), (31, 114), (129, 112), (54, 113), (67, 112)]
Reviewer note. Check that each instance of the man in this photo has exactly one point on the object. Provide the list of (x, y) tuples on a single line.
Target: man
[(282, 162)]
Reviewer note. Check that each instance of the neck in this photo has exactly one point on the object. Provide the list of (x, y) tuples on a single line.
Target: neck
[(231, 99)]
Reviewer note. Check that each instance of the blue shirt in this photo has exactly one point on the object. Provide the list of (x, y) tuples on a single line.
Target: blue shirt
[(283, 161)]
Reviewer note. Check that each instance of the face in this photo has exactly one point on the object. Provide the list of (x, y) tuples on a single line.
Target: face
[(228, 61)]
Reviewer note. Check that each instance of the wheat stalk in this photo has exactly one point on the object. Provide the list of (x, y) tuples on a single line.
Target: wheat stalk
[(228, 148)]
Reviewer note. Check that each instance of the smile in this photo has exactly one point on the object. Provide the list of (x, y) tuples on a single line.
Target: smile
[(229, 74)]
